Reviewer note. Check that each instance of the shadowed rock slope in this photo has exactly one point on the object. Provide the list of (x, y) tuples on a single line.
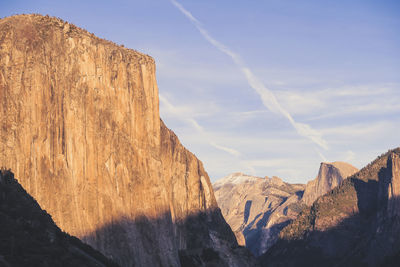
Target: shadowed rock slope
[(81, 128), (356, 224), (29, 236)]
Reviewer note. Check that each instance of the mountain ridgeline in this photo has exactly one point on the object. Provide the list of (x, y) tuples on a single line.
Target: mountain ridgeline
[(257, 209), (356, 224), (81, 130)]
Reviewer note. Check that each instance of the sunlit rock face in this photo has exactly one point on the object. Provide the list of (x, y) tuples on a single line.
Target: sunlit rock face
[(257, 208), (80, 115), (329, 176)]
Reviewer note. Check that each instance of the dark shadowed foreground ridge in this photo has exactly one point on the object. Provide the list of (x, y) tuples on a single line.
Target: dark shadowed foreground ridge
[(29, 236)]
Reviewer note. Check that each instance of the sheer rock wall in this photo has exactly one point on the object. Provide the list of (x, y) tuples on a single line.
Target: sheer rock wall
[(80, 126)]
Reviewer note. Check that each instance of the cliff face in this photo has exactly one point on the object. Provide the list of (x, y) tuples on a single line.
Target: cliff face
[(329, 176), (258, 208), (80, 115), (356, 224), (390, 188), (29, 236)]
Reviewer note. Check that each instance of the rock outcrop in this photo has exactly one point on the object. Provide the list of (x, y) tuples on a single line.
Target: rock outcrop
[(389, 193), (329, 176), (81, 128), (29, 236), (355, 224), (258, 208)]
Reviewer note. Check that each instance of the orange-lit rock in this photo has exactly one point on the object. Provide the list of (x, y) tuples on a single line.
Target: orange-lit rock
[(80, 127), (330, 175)]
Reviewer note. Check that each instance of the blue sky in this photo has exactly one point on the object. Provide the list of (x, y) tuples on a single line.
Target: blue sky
[(278, 86)]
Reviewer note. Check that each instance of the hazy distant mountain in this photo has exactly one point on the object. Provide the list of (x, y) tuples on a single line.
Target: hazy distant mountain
[(29, 236), (257, 208), (80, 115), (356, 224)]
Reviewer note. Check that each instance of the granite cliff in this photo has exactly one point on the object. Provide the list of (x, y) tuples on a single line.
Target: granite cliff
[(329, 176), (355, 224), (81, 130)]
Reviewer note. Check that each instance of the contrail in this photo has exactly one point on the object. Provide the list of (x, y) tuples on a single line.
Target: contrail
[(267, 96), (191, 121)]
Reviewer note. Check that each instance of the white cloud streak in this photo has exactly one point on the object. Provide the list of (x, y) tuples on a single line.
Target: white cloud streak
[(267, 96), (324, 159), (191, 121), (172, 109), (334, 102), (226, 149)]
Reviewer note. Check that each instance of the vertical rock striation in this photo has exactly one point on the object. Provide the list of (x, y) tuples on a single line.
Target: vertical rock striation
[(80, 126), (329, 176), (391, 187)]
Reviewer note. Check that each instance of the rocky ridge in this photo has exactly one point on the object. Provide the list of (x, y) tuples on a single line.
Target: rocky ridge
[(80, 121), (356, 224), (257, 209)]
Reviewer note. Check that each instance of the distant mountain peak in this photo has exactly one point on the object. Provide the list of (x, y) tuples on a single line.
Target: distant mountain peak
[(236, 178), (257, 208), (330, 175), (277, 181)]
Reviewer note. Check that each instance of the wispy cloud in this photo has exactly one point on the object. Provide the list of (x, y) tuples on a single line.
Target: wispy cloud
[(267, 162), (322, 156), (342, 100), (361, 130), (188, 119), (172, 64), (350, 156), (267, 96), (226, 149), (177, 113)]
